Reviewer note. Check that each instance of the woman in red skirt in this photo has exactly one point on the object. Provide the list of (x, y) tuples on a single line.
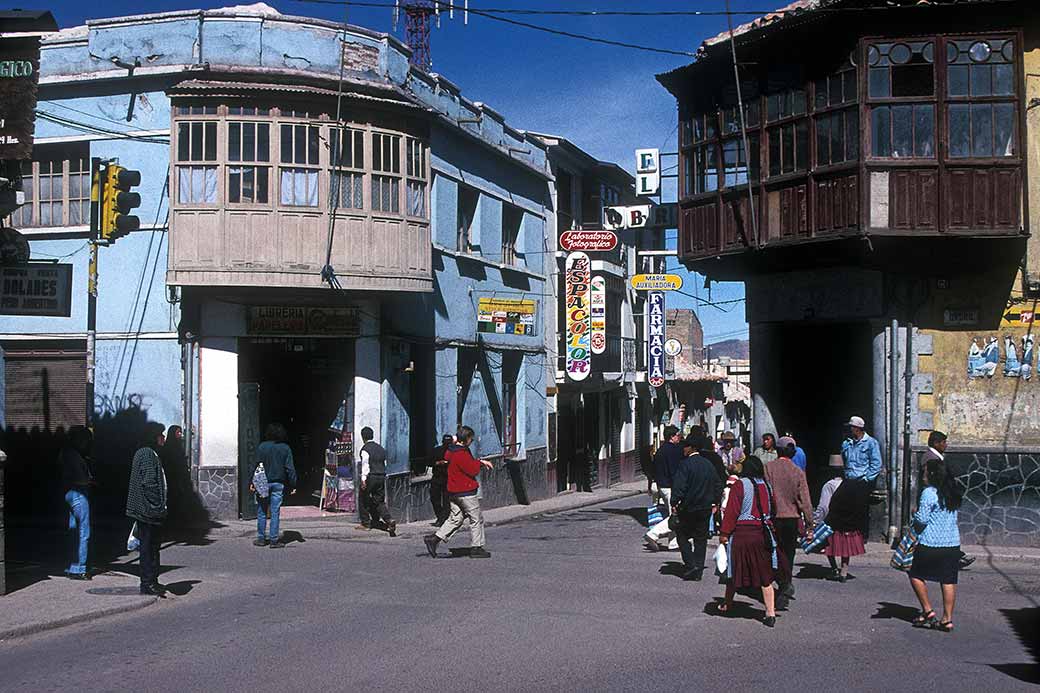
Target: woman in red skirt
[(747, 532), (845, 515)]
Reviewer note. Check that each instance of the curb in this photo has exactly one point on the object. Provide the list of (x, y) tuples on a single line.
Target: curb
[(555, 511), (34, 628)]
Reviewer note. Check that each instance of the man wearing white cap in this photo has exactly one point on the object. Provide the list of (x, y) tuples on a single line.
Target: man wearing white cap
[(861, 453)]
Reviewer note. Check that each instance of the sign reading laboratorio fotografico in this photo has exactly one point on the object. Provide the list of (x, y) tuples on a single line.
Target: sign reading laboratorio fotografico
[(578, 285), (599, 315), (36, 290), (506, 315), (655, 338), (302, 320), (19, 75)]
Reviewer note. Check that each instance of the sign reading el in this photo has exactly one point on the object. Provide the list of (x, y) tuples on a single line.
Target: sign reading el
[(19, 74)]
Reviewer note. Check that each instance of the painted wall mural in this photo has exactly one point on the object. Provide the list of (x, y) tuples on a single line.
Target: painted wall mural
[(984, 357)]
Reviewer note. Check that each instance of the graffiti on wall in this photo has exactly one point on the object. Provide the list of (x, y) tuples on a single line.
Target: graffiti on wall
[(984, 357)]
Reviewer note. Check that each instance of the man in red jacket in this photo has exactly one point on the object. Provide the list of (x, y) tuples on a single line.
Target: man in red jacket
[(463, 469)]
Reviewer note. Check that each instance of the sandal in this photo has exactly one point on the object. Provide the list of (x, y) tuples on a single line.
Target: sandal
[(943, 626), (924, 619)]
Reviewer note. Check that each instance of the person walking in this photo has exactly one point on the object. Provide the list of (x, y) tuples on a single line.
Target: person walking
[(840, 545), (696, 492), (146, 505), (373, 484), (730, 454), (463, 470), (277, 458), (792, 504), (767, 450), (747, 532), (850, 504), (77, 481), (937, 442), (938, 549), (666, 459), (799, 458), (439, 481)]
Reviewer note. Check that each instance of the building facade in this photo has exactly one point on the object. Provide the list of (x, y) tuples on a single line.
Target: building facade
[(881, 225), (331, 239)]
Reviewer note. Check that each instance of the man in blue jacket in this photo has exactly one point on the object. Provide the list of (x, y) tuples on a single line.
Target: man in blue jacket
[(861, 453), (666, 459)]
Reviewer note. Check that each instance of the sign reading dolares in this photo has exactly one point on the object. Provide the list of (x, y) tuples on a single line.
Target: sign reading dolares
[(578, 279), (36, 290), (655, 338)]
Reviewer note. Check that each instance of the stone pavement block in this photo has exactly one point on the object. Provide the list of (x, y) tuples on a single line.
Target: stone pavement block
[(56, 602)]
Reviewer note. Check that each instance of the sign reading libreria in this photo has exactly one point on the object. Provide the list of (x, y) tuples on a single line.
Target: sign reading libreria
[(36, 290), (578, 279), (278, 320), (655, 338), (506, 315)]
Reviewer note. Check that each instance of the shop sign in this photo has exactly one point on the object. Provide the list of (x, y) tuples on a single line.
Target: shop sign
[(673, 347), (506, 315), (299, 320), (635, 217), (648, 171), (579, 316), (657, 282), (19, 75), (655, 338), (961, 317), (588, 241), (599, 315), (36, 290)]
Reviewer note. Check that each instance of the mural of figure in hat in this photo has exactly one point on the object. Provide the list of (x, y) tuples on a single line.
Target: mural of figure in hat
[(1027, 356), (976, 362), (1012, 367), (991, 357)]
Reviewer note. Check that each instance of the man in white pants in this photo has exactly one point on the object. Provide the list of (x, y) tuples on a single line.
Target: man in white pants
[(666, 460)]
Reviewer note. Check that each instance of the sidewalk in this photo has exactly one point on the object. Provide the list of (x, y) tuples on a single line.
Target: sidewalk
[(57, 602), (336, 526)]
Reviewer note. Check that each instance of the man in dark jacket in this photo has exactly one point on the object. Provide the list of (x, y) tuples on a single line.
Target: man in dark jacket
[(373, 484), (439, 480), (77, 480), (666, 459), (276, 457), (463, 470), (146, 503), (696, 490)]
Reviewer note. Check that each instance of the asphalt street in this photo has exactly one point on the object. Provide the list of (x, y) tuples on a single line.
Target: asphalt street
[(567, 602)]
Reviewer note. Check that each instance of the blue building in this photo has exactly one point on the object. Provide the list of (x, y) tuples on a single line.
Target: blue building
[(330, 238)]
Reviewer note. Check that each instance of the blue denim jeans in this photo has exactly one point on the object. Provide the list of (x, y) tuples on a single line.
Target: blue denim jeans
[(272, 505), (79, 518)]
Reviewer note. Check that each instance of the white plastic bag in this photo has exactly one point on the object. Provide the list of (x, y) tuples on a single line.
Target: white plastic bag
[(721, 560), (132, 542)]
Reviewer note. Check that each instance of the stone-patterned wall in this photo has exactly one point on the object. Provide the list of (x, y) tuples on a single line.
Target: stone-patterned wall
[(3, 563), (631, 469), (509, 483), (218, 489), (1002, 496)]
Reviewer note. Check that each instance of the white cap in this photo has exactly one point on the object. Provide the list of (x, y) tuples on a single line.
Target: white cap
[(857, 422)]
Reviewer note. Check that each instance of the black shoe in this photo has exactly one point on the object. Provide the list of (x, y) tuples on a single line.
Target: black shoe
[(788, 590), (769, 621), (260, 542), (277, 544), (77, 576), (479, 552), (154, 590), (782, 602), (391, 527), (966, 560), (693, 575), (431, 541)]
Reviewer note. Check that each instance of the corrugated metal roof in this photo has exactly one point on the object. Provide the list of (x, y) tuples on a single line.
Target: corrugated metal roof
[(796, 7), (223, 88)]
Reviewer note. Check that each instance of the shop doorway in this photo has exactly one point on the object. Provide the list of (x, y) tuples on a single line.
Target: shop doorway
[(304, 383)]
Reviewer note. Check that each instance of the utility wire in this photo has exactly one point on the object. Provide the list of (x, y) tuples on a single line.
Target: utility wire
[(96, 130)]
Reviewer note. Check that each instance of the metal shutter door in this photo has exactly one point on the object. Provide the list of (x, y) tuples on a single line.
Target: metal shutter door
[(45, 389)]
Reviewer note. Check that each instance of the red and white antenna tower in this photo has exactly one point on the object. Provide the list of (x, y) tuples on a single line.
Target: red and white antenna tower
[(417, 15)]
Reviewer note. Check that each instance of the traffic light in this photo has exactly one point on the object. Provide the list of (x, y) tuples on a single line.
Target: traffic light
[(117, 201)]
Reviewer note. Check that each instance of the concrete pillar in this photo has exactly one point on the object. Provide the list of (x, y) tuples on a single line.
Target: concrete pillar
[(880, 377), (368, 377), (763, 382), (446, 363), (218, 402)]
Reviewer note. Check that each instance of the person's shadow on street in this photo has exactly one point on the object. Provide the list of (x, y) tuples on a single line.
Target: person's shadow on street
[(899, 612), (812, 571), (674, 568), (737, 610), (292, 536), (181, 587), (638, 513)]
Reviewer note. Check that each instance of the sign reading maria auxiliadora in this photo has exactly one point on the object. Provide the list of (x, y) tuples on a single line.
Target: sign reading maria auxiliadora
[(657, 282)]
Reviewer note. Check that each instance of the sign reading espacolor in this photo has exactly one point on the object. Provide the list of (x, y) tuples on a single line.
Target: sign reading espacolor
[(578, 277)]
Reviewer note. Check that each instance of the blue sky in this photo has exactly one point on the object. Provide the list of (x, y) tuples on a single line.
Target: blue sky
[(605, 99)]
